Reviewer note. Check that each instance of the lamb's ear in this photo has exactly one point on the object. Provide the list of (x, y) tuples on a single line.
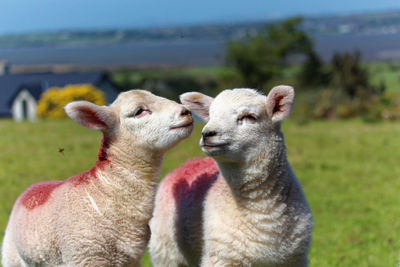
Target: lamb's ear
[(91, 115), (198, 103), (280, 102)]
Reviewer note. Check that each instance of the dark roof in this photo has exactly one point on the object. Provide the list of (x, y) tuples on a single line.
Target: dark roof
[(36, 83), (34, 88)]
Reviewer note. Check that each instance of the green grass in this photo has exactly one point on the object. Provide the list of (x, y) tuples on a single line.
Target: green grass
[(348, 169), (387, 73)]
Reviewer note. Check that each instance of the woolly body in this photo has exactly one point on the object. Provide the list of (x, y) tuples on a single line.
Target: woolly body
[(254, 212), (99, 217)]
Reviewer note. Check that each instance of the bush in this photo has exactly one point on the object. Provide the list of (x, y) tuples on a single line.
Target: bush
[(390, 106), (51, 103), (349, 75), (313, 73), (336, 104)]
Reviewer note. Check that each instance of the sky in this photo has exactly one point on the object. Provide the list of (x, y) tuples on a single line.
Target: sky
[(19, 16)]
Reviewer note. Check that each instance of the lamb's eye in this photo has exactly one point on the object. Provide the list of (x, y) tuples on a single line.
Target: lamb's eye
[(248, 117), (139, 112)]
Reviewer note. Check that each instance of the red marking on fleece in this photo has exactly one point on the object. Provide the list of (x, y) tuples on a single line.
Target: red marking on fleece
[(191, 169), (103, 161), (192, 179), (38, 194), (105, 144), (86, 177)]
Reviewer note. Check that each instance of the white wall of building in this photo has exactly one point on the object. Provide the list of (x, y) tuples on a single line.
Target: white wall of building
[(17, 106)]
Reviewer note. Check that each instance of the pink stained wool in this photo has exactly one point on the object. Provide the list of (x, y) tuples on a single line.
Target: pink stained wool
[(38, 194), (192, 178), (86, 177), (105, 144)]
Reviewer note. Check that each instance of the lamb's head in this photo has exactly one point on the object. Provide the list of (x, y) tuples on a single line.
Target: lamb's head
[(239, 120), (137, 118)]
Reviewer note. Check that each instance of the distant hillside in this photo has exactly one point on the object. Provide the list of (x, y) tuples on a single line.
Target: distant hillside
[(371, 23), (68, 38), (377, 23)]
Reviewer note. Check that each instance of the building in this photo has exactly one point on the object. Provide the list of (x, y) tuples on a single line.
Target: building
[(19, 93)]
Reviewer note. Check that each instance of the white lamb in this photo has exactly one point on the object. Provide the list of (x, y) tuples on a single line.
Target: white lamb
[(248, 209), (100, 217)]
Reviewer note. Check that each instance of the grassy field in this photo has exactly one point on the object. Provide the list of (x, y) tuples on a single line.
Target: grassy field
[(387, 73), (349, 170)]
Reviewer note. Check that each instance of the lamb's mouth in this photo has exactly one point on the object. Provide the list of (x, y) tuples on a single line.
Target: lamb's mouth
[(208, 146), (184, 125)]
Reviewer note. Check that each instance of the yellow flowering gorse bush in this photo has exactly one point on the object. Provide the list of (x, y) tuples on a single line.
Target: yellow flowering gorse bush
[(51, 103)]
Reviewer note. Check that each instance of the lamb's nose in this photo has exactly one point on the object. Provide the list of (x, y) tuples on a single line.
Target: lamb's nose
[(208, 134), (185, 112)]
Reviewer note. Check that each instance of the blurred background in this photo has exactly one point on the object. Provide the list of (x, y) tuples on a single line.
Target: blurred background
[(342, 57)]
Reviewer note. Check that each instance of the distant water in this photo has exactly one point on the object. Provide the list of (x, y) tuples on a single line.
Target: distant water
[(373, 47), (147, 53)]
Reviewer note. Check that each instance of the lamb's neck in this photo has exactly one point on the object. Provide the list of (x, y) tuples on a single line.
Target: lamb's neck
[(127, 165), (124, 179), (260, 177)]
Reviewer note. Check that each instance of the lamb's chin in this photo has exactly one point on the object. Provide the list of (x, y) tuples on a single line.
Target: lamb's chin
[(214, 150)]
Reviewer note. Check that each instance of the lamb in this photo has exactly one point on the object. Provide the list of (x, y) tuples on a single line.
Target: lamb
[(242, 207), (100, 217)]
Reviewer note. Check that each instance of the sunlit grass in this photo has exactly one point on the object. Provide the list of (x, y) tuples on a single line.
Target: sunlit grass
[(387, 73), (348, 169), (351, 176)]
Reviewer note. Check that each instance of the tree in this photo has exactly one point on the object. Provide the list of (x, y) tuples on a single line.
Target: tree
[(261, 58), (348, 74), (312, 72)]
